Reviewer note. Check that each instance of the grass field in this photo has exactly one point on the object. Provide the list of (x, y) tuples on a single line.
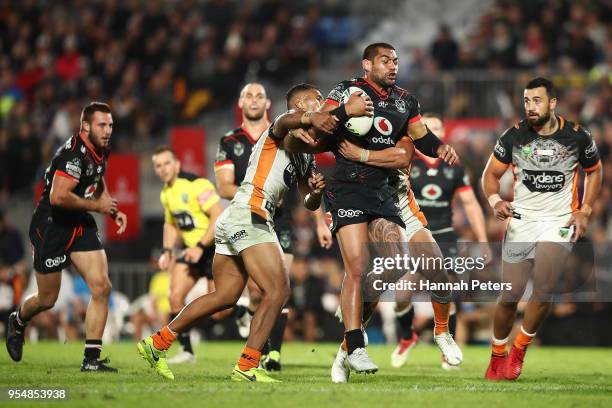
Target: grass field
[(552, 377)]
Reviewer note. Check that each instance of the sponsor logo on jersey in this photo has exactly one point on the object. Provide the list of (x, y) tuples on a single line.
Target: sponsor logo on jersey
[(382, 104), (89, 191), (383, 126), (544, 181), (415, 172), (237, 236), (448, 173), (238, 149), (221, 154), (99, 170), (431, 191), (590, 151), (185, 197), (432, 172), (350, 213), (400, 105), (336, 93), (73, 168), (83, 149), (90, 170), (526, 152), (57, 261), (382, 140)]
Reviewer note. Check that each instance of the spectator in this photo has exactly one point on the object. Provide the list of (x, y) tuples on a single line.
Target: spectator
[(444, 49)]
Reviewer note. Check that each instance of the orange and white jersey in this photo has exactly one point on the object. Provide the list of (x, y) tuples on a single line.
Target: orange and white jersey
[(410, 212), (270, 173)]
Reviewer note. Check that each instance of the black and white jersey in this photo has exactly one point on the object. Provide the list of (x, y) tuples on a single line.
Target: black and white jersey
[(545, 168), (234, 150)]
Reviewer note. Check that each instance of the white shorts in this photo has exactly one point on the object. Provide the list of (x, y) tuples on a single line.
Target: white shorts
[(413, 224), (522, 236), (235, 231)]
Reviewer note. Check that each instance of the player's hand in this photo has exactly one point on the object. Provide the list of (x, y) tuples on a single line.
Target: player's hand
[(503, 210), (121, 221), (316, 183), (164, 260), (325, 236), (359, 104), (447, 153), (193, 255), (349, 150), (303, 135), (106, 204), (580, 220), (323, 122)]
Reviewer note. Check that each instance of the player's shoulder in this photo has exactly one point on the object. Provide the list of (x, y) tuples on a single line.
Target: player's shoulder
[(186, 176), (233, 136), (73, 147), (574, 129), (515, 130)]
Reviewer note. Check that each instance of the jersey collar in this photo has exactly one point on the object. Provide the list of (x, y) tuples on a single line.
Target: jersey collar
[(430, 162), (379, 91), (98, 157)]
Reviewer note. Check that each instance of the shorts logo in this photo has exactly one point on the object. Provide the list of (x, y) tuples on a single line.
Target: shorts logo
[(543, 181), (499, 149), (400, 105), (57, 261), (383, 126), (342, 213), (237, 236)]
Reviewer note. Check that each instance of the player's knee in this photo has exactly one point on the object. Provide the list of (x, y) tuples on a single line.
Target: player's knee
[(509, 305), (47, 301), (279, 295), (101, 288)]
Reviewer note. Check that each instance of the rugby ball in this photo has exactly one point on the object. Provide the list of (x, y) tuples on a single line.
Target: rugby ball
[(361, 125)]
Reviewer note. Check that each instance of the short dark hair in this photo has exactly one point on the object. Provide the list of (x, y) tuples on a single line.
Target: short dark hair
[(544, 83), (434, 115), (371, 50), (295, 90), (93, 107), (164, 149)]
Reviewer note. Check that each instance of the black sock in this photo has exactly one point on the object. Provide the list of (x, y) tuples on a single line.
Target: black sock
[(354, 340), (19, 321), (239, 311), (404, 322), (452, 324), (265, 350), (278, 332), (92, 349)]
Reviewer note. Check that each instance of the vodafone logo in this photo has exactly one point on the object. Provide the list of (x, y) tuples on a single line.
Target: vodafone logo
[(89, 191), (431, 192), (383, 125)]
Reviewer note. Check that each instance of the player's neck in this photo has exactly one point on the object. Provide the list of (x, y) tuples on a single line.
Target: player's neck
[(255, 128), (377, 87), (549, 127), (85, 138), (172, 181)]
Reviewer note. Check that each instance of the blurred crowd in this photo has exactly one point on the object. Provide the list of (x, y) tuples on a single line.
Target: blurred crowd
[(160, 63)]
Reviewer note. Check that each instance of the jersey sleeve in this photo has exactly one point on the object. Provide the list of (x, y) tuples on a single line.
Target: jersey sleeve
[(503, 148), (207, 195), (167, 214), (225, 155), (462, 180), (588, 156), (413, 110), (335, 96), (69, 164)]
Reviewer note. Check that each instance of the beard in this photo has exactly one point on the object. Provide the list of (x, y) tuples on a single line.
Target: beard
[(540, 121), (253, 116)]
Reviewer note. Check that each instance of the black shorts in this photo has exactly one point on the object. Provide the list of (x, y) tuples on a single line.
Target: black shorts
[(347, 204), (447, 241), (203, 268), (284, 229), (53, 242)]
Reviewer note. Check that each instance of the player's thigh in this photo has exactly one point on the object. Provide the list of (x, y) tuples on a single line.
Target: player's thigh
[(549, 266), (515, 274), (48, 287), (265, 265), (93, 267), (288, 260), (230, 276), (422, 243), (352, 240)]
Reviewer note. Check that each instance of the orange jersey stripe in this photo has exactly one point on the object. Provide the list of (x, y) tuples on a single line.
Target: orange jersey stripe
[(264, 165), (575, 203)]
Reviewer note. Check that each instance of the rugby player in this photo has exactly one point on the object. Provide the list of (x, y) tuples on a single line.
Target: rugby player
[(245, 243), (191, 207), (62, 232), (360, 192), (545, 217)]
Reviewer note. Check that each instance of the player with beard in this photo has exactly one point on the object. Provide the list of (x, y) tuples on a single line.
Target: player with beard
[(62, 232), (231, 164), (543, 220), (359, 192)]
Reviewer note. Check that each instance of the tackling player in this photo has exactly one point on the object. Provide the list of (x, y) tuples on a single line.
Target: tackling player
[(544, 152), (191, 207), (62, 232)]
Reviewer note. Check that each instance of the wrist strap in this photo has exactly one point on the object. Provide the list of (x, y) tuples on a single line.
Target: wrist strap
[(340, 113), (364, 155), (494, 199), (201, 245), (166, 249)]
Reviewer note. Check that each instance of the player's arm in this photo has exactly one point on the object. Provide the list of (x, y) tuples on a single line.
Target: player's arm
[(428, 143), (170, 240), (473, 213), (311, 189), (62, 195), (493, 172), (305, 141), (209, 203), (226, 181), (396, 157), (119, 217), (323, 233)]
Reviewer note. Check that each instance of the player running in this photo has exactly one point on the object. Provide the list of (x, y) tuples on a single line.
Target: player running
[(360, 192), (230, 168), (191, 207), (545, 217), (62, 232), (245, 243), (435, 184)]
